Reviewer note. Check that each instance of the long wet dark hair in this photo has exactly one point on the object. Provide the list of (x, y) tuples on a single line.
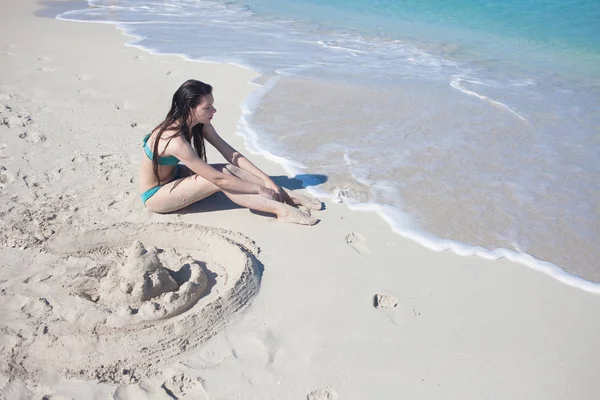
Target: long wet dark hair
[(185, 99)]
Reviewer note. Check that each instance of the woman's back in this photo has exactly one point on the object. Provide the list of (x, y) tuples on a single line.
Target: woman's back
[(166, 162)]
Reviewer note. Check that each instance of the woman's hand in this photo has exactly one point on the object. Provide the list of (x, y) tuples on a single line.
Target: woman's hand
[(282, 195), (268, 193)]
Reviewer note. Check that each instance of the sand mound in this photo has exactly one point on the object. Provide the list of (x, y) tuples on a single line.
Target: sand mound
[(121, 302)]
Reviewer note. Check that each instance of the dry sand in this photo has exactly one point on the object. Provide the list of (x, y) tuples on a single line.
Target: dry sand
[(100, 299)]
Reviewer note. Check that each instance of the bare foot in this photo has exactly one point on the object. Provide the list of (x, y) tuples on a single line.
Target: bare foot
[(296, 216), (312, 203)]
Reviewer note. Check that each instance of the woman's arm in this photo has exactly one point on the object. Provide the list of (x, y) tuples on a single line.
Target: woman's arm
[(236, 158), (232, 155), (181, 149)]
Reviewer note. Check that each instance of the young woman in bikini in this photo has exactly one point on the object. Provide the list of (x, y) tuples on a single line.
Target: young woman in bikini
[(175, 174)]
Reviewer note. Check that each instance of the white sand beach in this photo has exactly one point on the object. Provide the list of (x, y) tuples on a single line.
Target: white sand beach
[(236, 304)]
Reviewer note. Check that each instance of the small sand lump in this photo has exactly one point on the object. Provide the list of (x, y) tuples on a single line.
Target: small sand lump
[(322, 394), (384, 301)]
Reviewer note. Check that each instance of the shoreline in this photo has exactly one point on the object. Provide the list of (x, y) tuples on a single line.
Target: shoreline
[(462, 327)]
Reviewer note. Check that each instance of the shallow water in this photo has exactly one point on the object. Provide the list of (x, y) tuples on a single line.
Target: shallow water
[(472, 126)]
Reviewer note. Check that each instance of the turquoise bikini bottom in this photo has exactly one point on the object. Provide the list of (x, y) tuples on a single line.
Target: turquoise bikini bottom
[(150, 192)]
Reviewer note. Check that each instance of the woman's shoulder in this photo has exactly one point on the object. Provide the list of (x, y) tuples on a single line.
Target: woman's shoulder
[(175, 139), (167, 133), (169, 139)]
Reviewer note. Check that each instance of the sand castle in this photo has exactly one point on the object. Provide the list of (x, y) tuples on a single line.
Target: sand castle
[(145, 289), (126, 299)]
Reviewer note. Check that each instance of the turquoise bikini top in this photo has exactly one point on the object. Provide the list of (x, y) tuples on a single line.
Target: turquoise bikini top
[(169, 160)]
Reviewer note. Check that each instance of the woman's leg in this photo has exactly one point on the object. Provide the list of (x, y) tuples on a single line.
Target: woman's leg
[(182, 192), (311, 203)]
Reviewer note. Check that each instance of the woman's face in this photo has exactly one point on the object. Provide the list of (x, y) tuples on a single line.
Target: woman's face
[(204, 111)]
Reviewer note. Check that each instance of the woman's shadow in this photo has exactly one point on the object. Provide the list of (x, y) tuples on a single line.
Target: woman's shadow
[(220, 202)]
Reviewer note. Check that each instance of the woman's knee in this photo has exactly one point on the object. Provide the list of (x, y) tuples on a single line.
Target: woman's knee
[(156, 206)]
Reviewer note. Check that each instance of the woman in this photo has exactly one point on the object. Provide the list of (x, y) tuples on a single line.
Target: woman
[(175, 174)]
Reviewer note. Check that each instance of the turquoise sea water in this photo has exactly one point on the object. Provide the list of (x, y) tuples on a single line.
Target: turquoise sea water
[(472, 126), (560, 23), (567, 28)]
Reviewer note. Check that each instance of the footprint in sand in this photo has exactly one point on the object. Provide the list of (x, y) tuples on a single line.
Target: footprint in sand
[(357, 241), (15, 121), (257, 348), (32, 137), (7, 52), (125, 301), (384, 301), (83, 159), (30, 182), (176, 385), (322, 394), (5, 177), (121, 105), (110, 167), (82, 77), (94, 94), (180, 386)]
